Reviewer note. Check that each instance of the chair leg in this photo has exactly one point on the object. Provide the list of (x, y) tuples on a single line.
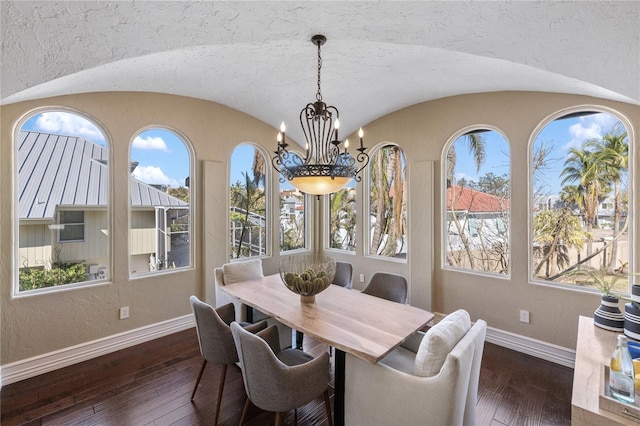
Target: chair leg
[(220, 389), (278, 418), (195, 388), (295, 417), (244, 411), (327, 406)]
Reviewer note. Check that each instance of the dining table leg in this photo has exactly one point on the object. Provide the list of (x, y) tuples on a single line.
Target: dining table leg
[(338, 395)]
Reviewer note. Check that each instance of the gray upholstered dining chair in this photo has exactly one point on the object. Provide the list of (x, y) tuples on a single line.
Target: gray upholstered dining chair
[(279, 380), (216, 340), (387, 286), (344, 275)]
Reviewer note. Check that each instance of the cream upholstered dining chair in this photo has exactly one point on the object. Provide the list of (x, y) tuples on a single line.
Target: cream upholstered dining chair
[(434, 377), (216, 340), (279, 380), (388, 286), (234, 272)]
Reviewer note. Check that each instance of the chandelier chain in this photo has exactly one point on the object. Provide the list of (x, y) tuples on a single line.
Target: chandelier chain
[(319, 94)]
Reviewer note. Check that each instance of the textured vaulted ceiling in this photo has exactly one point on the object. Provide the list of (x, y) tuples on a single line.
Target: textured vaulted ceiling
[(379, 57)]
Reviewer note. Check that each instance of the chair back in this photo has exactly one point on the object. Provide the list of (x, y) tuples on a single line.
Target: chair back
[(448, 397), (478, 337), (344, 275), (270, 383), (388, 286), (214, 334), (234, 272)]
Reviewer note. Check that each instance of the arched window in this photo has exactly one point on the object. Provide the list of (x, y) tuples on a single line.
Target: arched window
[(293, 217), (160, 203), (477, 199), (580, 200), (248, 199), (388, 203), (63, 203)]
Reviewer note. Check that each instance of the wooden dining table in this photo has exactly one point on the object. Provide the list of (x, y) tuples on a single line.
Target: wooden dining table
[(362, 325)]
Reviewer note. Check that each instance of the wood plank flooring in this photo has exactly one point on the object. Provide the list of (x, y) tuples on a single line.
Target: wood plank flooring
[(151, 384)]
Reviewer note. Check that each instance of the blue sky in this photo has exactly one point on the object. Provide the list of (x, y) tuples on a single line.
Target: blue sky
[(164, 159), (559, 135), (161, 155)]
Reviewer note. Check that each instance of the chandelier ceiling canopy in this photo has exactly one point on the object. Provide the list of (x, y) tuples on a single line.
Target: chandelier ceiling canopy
[(327, 165)]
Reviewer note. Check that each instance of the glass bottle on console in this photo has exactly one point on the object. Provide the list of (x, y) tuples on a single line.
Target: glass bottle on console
[(621, 374)]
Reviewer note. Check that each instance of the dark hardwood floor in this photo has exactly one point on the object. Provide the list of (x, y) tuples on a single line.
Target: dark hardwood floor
[(151, 384)]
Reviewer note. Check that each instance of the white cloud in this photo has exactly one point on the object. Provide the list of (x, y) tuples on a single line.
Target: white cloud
[(154, 175), (68, 124), (150, 143), (593, 126)]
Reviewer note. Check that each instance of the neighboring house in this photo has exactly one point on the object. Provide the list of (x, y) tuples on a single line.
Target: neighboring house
[(292, 204), (483, 218), (63, 207)]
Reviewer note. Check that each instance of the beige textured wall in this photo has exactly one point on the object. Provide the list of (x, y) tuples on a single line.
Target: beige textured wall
[(44, 323)]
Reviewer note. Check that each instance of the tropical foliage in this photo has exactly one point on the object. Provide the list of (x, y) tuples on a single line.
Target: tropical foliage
[(388, 207), (248, 211), (342, 220), (593, 172), (478, 218)]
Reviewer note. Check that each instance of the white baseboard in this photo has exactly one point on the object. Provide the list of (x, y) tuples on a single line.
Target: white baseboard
[(526, 345), (537, 348), (31, 367)]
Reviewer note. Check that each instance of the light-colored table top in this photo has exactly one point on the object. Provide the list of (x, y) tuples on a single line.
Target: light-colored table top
[(593, 351), (362, 325)]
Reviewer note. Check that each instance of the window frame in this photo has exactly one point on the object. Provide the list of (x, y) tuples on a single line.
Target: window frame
[(366, 196), (444, 228), (633, 188), (307, 218), (269, 205), (193, 179), (16, 293), (62, 226)]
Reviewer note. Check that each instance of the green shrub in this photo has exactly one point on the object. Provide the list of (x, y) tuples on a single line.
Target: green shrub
[(59, 274)]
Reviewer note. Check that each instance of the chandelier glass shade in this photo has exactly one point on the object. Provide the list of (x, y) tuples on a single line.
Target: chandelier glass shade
[(327, 165)]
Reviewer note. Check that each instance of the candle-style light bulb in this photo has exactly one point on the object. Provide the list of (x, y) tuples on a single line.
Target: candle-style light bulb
[(279, 138), (283, 128), (346, 145), (336, 126), (360, 135)]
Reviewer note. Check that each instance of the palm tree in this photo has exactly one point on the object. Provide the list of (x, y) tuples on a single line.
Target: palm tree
[(476, 145), (250, 199), (581, 166), (573, 196), (612, 152), (342, 223), (387, 201), (555, 231)]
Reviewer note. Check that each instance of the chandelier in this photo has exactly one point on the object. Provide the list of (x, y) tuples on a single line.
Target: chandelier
[(328, 165)]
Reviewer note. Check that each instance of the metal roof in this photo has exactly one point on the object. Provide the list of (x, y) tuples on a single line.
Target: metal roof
[(67, 171)]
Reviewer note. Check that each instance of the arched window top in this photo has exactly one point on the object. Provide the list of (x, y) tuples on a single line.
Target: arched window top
[(64, 121), (580, 177), (63, 201), (160, 198), (476, 200)]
